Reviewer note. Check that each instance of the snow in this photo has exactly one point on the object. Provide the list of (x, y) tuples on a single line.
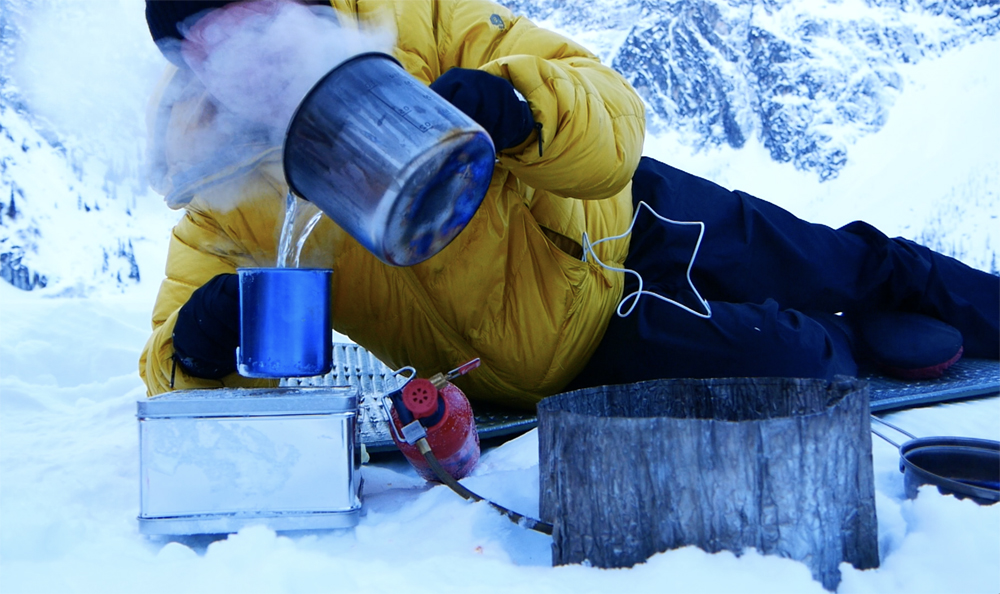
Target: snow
[(69, 499), (69, 492)]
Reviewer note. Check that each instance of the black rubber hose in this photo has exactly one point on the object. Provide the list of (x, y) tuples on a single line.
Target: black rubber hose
[(443, 476)]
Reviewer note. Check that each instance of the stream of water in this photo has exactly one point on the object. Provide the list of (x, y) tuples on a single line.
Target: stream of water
[(301, 218)]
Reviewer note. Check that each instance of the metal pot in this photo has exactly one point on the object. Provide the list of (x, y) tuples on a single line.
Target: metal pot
[(389, 160), (960, 466)]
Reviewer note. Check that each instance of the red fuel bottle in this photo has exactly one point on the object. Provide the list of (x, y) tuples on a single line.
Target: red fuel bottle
[(444, 413)]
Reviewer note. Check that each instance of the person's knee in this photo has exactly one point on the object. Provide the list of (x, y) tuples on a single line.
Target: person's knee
[(808, 346)]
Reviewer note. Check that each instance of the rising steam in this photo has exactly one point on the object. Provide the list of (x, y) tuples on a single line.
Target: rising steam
[(262, 70), (259, 72)]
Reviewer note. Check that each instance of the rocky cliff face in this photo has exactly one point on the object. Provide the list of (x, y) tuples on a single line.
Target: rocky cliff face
[(806, 78)]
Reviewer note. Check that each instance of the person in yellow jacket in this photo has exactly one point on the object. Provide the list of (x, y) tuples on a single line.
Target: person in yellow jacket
[(528, 286), (504, 290)]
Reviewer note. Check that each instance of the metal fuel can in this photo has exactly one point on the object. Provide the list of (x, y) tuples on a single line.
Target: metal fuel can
[(214, 461)]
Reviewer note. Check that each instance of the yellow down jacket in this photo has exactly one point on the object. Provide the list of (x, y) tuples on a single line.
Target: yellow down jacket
[(510, 289)]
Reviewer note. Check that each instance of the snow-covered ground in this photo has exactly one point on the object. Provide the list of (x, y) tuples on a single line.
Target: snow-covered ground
[(69, 496), (68, 434)]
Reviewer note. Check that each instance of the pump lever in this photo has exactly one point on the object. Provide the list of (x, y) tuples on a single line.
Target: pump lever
[(439, 379), (463, 369)]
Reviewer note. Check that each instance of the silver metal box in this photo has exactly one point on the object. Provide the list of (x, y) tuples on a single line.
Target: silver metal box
[(213, 461)]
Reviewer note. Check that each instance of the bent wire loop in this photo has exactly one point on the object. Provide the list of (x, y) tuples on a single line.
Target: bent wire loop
[(588, 248)]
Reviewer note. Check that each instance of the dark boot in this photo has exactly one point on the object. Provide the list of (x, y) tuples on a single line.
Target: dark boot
[(913, 278), (905, 345)]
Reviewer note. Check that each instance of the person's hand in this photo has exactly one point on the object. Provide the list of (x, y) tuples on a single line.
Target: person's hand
[(208, 329), (489, 100)]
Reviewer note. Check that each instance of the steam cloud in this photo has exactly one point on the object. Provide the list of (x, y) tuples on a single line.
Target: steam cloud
[(263, 69), (260, 71)]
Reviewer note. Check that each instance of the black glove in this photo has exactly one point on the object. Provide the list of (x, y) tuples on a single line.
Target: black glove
[(208, 329), (490, 101)]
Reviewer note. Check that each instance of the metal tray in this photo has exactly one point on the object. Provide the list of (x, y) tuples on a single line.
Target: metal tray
[(356, 367)]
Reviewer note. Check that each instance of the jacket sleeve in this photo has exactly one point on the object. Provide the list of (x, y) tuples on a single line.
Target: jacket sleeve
[(200, 248), (592, 121)]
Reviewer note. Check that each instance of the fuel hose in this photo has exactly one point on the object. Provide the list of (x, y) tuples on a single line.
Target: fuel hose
[(443, 476)]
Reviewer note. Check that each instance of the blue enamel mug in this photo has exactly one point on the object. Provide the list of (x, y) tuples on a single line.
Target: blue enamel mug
[(285, 326)]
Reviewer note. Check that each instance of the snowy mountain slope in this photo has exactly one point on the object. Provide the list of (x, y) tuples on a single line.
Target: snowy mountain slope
[(74, 204), (54, 197), (932, 173)]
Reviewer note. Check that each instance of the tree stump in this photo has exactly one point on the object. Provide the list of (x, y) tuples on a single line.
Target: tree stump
[(781, 465)]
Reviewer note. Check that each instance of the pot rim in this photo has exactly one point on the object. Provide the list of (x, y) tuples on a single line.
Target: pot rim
[(958, 445)]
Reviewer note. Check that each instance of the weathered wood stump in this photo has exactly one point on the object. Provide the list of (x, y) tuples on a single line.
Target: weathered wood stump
[(781, 465)]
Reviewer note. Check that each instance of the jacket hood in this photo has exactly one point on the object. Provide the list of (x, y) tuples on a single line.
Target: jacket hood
[(194, 144)]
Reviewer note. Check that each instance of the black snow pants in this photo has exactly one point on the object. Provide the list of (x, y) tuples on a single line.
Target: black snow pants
[(773, 282)]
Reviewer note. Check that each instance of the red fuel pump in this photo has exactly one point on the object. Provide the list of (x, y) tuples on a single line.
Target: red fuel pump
[(433, 425), (435, 409)]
